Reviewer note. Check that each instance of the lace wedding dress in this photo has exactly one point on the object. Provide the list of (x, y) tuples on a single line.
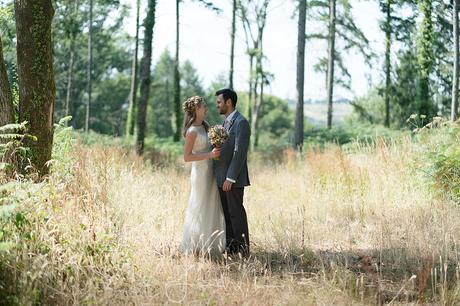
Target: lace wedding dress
[(204, 229)]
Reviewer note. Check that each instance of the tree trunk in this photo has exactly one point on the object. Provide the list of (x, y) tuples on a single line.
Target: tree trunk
[(133, 91), (37, 91), (69, 81), (177, 110), (331, 61), (6, 99), (71, 64), (149, 23), (249, 106), (299, 119), (387, 63), (90, 65), (232, 39), (454, 111), (426, 57), (257, 112), (257, 102)]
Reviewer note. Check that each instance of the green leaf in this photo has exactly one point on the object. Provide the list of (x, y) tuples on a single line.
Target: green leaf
[(13, 127), (64, 120), (5, 166), (7, 210), (5, 188), (10, 136), (6, 246)]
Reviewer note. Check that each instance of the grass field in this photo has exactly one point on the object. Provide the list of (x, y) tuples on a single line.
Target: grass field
[(327, 228)]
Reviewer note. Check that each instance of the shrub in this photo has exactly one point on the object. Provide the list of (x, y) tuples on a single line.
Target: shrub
[(439, 157)]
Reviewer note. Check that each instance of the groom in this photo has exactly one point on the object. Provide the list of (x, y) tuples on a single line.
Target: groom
[(231, 171)]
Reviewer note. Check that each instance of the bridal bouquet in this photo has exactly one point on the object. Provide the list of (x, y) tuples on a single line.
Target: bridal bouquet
[(218, 135)]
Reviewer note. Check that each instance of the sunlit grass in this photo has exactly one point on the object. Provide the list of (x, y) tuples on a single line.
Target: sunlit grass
[(326, 228)]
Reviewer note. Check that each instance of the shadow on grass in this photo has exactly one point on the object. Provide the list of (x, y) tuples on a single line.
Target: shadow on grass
[(381, 276)]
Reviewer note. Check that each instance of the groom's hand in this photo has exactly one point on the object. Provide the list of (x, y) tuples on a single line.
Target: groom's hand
[(227, 186)]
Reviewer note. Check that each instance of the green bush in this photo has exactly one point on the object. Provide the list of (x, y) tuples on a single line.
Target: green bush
[(439, 160), (346, 134)]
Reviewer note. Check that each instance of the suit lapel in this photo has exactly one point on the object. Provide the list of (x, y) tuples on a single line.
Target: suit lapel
[(233, 120)]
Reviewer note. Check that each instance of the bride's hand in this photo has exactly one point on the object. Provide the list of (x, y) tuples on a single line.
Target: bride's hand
[(215, 152)]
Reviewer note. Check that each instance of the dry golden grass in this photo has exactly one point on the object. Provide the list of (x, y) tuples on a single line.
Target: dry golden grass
[(326, 228)]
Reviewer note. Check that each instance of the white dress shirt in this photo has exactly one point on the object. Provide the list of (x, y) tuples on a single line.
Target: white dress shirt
[(229, 119)]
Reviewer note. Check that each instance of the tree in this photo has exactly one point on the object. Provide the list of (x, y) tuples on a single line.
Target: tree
[(386, 7), (110, 46), (72, 34), (342, 34), (232, 42), (36, 77), (331, 60), (133, 91), (255, 13), (6, 99), (177, 110), (396, 28), (441, 77), (149, 23), (161, 114), (90, 65), (425, 57), (177, 87), (276, 124), (454, 110), (299, 119), (406, 84)]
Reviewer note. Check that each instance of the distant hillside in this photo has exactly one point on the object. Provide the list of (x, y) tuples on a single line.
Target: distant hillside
[(316, 110)]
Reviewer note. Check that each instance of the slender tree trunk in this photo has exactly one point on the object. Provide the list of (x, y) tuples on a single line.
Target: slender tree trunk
[(37, 91), (258, 102), (146, 62), (257, 112), (331, 61), (133, 91), (71, 64), (90, 65), (6, 99), (387, 63), (177, 112), (251, 89), (69, 80), (454, 110), (426, 57), (232, 39), (299, 119)]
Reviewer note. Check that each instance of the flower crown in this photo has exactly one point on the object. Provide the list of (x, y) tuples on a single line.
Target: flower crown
[(189, 106)]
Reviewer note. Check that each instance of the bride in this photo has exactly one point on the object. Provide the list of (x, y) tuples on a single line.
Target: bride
[(204, 229)]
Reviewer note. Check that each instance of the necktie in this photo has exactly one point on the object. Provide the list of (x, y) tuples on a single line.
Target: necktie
[(226, 124)]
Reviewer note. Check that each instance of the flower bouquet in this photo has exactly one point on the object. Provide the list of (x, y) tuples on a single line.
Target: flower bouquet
[(218, 135)]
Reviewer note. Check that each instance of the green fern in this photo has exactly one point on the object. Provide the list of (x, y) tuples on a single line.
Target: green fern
[(11, 136), (12, 149), (20, 127)]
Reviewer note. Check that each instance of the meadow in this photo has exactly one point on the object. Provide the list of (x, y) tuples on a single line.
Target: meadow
[(359, 225)]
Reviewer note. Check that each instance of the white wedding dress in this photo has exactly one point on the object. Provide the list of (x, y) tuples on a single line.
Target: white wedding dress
[(204, 229)]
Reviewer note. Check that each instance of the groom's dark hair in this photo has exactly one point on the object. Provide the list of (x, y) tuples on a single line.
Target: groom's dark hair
[(228, 93)]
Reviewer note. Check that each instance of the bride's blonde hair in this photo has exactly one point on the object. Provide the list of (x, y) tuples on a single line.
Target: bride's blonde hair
[(189, 107)]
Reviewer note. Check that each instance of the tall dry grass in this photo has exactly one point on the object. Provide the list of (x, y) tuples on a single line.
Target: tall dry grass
[(327, 228)]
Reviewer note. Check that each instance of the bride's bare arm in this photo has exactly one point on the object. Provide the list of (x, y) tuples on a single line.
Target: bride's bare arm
[(189, 156)]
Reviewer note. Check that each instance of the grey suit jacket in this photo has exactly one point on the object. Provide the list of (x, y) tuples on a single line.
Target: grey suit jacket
[(232, 162)]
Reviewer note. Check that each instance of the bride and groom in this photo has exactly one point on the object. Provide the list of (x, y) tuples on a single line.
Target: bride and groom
[(215, 219)]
